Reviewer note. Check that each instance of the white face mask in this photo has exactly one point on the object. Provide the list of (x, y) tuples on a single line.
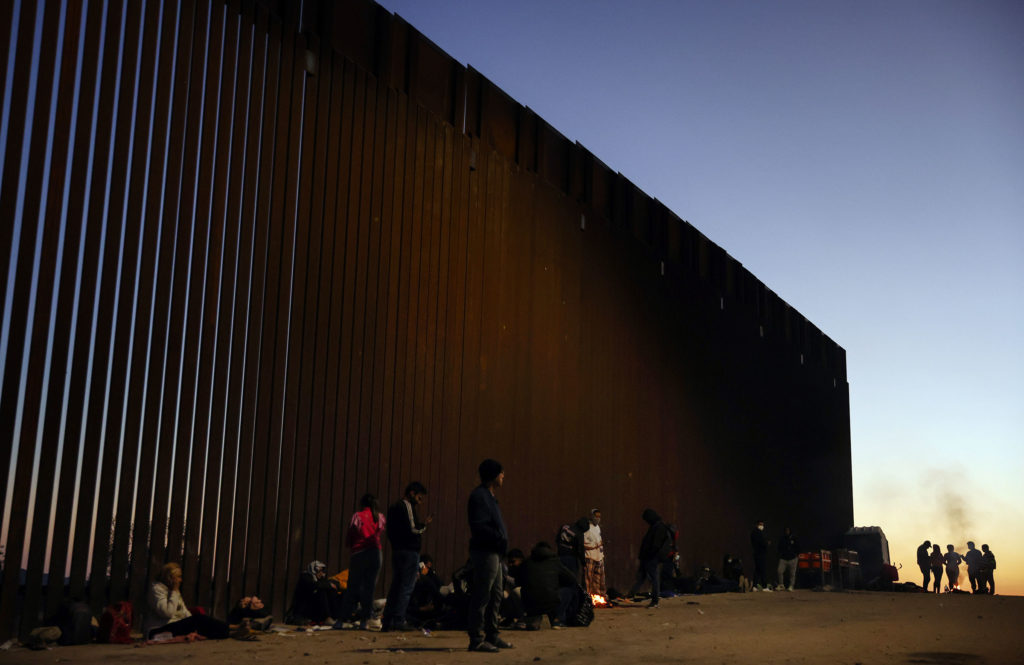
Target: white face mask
[(760, 527)]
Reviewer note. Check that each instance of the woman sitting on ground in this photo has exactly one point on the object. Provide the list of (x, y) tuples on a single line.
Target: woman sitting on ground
[(166, 611), (316, 600)]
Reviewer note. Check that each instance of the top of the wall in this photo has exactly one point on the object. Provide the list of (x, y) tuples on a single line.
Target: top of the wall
[(402, 58)]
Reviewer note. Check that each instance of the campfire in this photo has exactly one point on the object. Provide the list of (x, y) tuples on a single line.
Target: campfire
[(599, 600)]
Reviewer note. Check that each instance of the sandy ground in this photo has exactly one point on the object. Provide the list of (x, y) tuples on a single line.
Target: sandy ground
[(798, 627)]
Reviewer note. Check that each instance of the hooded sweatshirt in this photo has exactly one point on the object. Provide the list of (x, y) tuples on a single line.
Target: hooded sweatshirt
[(657, 542)]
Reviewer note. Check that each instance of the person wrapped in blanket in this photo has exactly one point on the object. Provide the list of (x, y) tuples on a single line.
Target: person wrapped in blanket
[(316, 599)]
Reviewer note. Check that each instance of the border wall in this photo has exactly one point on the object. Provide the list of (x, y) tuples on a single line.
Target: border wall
[(265, 257)]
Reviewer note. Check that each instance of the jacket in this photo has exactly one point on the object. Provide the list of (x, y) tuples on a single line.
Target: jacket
[(657, 542), (487, 532), (405, 531)]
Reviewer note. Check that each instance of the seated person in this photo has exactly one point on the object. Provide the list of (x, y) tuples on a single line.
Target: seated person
[(316, 599), (251, 608), (546, 586), (732, 569), (709, 582), (166, 611), (426, 603)]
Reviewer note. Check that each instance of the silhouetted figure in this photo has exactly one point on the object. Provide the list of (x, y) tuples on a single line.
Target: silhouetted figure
[(760, 543), (655, 550), (986, 577), (937, 560), (973, 561), (570, 545), (789, 551), (924, 562), (952, 560)]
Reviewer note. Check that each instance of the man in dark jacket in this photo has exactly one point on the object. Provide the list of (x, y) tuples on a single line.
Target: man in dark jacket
[(488, 541), (546, 586), (789, 551), (570, 545), (924, 562), (655, 549), (405, 532)]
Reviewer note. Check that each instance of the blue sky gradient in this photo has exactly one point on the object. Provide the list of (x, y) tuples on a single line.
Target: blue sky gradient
[(865, 160)]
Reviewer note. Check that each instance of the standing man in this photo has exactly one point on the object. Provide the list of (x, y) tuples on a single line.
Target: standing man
[(488, 542), (593, 549), (973, 561), (405, 532), (789, 551), (924, 562), (760, 546)]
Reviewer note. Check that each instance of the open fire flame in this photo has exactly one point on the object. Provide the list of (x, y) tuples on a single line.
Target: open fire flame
[(599, 600)]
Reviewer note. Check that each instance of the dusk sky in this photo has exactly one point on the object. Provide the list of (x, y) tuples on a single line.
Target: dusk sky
[(865, 160)]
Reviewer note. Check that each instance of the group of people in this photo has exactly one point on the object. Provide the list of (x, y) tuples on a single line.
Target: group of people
[(788, 551), (981, 566)]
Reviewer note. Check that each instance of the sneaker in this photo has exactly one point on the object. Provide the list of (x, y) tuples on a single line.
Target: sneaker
[(485, 647), (780, 587), (652, 605), (790, 588), (500, 643)]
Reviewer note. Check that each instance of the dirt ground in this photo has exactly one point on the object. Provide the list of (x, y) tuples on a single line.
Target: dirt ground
[(781, 627)]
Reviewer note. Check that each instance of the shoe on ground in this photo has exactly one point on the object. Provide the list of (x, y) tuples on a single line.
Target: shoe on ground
[(780, 587), (485, 647), (790, 587), (500, 643), (653, 606)]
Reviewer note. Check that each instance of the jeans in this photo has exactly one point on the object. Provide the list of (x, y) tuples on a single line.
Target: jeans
[(405, 566), (363, 568), (485, 596)]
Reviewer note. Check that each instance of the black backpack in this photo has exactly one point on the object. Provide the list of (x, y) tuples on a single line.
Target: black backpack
[(75, 622), (581, 609)]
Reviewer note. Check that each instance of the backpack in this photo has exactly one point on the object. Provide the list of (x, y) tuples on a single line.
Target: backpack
[(116, 624), (580, 611)]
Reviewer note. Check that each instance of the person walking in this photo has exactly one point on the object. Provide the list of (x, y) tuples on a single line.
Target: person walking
[(924, 562), (488, 542), (405, 533), (789, 551)]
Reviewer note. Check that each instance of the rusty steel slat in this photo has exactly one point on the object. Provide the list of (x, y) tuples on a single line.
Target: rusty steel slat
[(306, 262), (396, 161), (220, 280), (318, 512), (369, 216), (259, 342), (334, 203), (349, 358), (77, 235), (269, 427), (289, 333), (214, 562)]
